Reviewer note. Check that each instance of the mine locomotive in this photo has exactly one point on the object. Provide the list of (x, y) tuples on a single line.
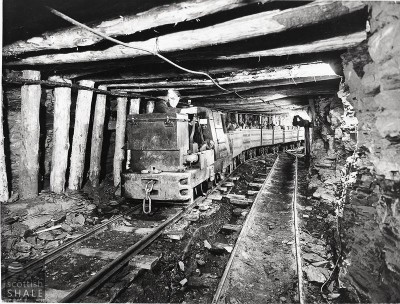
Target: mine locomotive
[(173, 153)]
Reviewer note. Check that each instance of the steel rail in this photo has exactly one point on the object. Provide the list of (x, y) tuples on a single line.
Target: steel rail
[(242, 234), (111, 268), (297, 239), (54, 254), (87, 287)]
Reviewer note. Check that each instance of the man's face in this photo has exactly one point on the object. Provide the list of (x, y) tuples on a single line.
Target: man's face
[(173, 98)]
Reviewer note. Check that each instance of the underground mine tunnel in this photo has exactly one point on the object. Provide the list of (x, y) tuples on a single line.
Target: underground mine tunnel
[(200, 151)]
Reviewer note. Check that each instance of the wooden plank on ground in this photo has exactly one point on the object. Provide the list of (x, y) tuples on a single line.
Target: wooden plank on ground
[(223, 246), (215, 196), (98, 253), (123, 283), (230, 228), (236, 196), (144, 261), (240, 203), (123, 228), (252, 192), (258, 185)]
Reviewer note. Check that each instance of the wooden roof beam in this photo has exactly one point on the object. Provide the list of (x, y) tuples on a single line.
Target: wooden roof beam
[(234, 30), (325, 45), (73, 37), (301, 72), (257, 101), (260, 108)]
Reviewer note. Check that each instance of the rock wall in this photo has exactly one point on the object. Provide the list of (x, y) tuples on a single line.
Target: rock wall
[(371, 219)]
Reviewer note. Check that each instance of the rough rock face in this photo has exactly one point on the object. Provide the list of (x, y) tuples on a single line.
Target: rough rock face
[(371, 225)]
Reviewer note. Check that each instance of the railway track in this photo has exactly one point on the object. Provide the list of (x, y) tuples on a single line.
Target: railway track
[(100, 265), (273, 270), (65, 265), (202, 267)]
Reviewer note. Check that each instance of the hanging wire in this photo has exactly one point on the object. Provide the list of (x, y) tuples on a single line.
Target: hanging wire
[(155, 53)]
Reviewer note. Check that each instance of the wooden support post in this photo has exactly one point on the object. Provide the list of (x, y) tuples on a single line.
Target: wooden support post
[(119, 139), (134, 106), (236, 118), (150, 106), (97, 138), (59, 158), (82, 118), (307, 141), (3, 174), (30, 132)]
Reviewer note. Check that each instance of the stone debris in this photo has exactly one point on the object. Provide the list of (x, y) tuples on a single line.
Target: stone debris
[(126, 223), (47, 236), (61, 236), (207, 244), (333, 296), (51, 245), (177, 230), (181, 266), (183, 282), (75, 220), (66, 227), (23, 246), (200, 262), (193, 216), (312, 257), (204, 207), (316, 274)]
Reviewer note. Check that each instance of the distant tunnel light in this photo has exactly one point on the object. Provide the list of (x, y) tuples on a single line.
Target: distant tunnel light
[(313, 69)]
